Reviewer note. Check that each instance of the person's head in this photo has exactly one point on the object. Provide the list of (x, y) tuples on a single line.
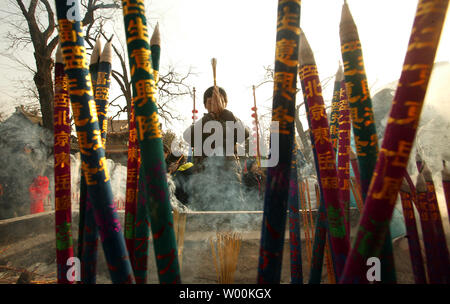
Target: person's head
[(209, 92)]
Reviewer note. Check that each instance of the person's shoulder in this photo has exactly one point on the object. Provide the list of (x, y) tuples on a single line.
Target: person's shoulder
[(227, 115)]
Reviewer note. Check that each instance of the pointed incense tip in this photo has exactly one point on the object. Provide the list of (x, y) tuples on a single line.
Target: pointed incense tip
[(421, 185), (339, 73), (445, 173), (58, 55), (418, 157), (305, 54), (95, 56), (107, 53), (156, 37), (347, 27), (427, 175), (405, 186)]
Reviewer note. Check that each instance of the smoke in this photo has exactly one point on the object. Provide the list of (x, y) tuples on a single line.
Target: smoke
[(432, 139), (75, 178), (218, 188), (26, 151), (118, 179), (174, 202)]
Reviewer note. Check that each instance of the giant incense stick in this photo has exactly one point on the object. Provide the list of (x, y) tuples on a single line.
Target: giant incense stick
[(359, 98), (90, 237), (102, 89), (326, 161), (320, 238), (142, 224), (91, 146), (150, 141), (321, 227), (344, 155), (63, 215), (334, 116), (132, 185), (283, 111), (88, 234), (415, 251), (95, 64), (363, 122), (398, 139), (141, 230), (446, 185), (87, 221), (133, 165), (294, 225), (155, 47), (429, 238), (435, 218)]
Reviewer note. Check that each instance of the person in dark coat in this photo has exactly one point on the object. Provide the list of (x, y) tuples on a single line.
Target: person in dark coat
[(216, 184), (215, 101)]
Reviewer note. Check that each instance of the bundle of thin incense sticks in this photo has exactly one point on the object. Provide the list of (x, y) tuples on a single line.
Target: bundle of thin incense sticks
[(179, 223), (225, 252)]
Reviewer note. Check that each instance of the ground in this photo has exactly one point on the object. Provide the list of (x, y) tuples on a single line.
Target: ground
[(34, 250)]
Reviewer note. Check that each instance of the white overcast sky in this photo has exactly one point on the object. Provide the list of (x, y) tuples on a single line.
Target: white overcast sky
[(241, 35)]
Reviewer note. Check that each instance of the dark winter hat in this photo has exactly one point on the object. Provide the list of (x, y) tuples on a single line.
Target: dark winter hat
[(208, 93)]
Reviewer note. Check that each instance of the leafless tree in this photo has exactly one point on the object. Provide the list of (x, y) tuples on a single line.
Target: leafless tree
[(34, 23), (172, 85)]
